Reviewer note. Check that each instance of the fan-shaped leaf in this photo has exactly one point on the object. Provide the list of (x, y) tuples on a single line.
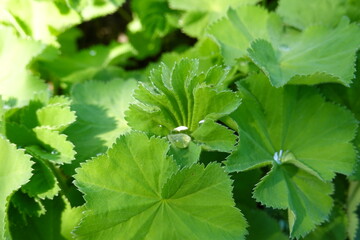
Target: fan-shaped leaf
[(135, 188)]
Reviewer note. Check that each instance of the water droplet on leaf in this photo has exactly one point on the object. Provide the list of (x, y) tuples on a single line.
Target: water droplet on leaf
[(180, 129), (180, 140), (54, 152)]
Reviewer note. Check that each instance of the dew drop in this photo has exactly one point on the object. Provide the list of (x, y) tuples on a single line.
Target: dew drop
[(277, 156), (201, 121), (54, 152), (180, 129), (180, 140)]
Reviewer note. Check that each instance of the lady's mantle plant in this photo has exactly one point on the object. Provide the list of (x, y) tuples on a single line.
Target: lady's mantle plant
[(246, 130)]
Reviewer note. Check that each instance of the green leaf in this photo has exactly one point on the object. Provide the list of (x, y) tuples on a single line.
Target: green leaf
[(99, 108), (243, 192), (43, 184), (200, 14), (56, 146), (45, 227), (179, 100), (70, 218), (89, 63), (304, 195), (26, 205), (15, 79), (347, 96), (135, 188), (353, 203), (35, 128), (185, 156), (15, 171), (2, 117), (89, 9), (241, 26), (154, 16), (39, 19), (303, 137), (262, 226), (309, 12), (335, 228), (215, 136), (64, 116), (326, 54), (294, 125)]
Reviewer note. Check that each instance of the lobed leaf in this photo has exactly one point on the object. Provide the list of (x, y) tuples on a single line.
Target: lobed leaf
[(306, 197), (15, 79), (99, 108), (45, 227), (200, 14), (15, 171), (235, 32), (326, 54), (324, 12), (302, 137), (43, 183), (318, 54), (139, 188), (183, 101)]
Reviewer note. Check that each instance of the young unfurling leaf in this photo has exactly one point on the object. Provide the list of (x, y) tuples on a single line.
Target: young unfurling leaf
[(183, 101)]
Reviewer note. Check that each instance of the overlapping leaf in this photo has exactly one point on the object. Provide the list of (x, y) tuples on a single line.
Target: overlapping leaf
[(306, 197), (26, 206), (15, 171), (15, 79), (334, 229), (328, 55), (99, 107), (43, 183), (155, 16), (54, 146), (305, 140), (184, 105), (136, 187), (199, 14), (348, 97), (37, 128), (324, 53), (89, 63), (353, 203), (262, 226), (309, 12), (45, 227), (242, 26)]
